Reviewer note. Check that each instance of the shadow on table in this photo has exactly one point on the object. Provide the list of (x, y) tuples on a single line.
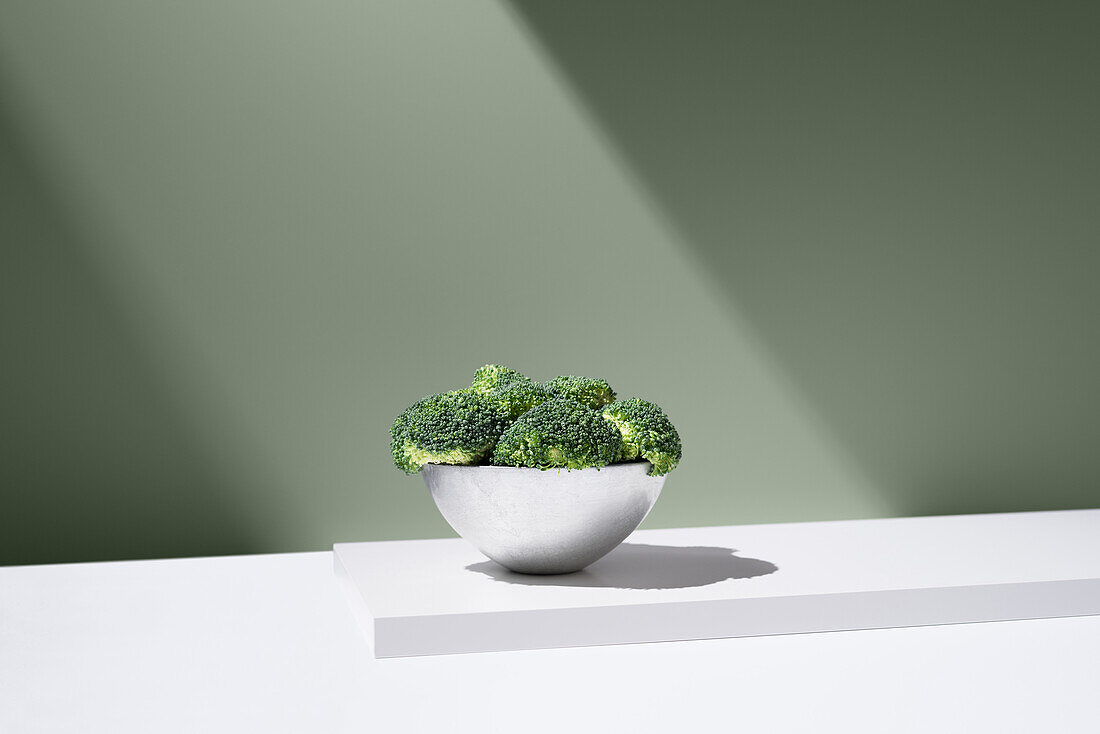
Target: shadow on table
[(641, 566)]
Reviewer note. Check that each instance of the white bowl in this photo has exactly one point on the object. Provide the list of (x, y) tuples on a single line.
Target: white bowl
[(535, 521)]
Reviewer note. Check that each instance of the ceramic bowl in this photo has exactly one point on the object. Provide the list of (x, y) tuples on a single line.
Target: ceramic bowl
[(543, 522)]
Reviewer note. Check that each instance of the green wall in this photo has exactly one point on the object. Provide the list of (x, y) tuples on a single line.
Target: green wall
[(851, 249)]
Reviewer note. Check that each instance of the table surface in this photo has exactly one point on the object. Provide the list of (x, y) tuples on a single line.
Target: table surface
[(268, 643), (428, 577), (443, 596)]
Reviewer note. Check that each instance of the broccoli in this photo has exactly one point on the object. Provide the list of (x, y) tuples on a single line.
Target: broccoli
[(513, 392), (559, 433), (518, 397), (646, 432), (594, 393), (459, 427), (509, 419), (494, 376)]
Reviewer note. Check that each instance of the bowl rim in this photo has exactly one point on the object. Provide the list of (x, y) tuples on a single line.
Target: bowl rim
[(621, 465)]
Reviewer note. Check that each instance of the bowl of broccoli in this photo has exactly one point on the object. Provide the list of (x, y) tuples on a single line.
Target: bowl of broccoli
[(542, 477)]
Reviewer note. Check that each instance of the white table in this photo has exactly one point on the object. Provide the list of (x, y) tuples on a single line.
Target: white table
[(429, 597), (268, 644)]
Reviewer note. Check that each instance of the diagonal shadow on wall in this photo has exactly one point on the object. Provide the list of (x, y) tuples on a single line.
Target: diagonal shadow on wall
[(95, 464), (904, 201)]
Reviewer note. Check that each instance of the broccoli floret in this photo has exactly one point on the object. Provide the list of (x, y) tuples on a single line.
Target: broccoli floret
[(494, 376), (516, 398), (593, 392), (559, 433), (459, 427), (646, 432), (513, 392)]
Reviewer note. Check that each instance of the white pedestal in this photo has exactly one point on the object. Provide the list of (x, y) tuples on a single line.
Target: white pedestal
[(428, 597)]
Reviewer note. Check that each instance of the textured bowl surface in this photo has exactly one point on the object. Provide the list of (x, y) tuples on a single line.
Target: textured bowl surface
[(534, 521)]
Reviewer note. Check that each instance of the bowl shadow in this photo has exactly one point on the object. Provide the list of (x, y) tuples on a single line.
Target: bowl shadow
[(643, 566)]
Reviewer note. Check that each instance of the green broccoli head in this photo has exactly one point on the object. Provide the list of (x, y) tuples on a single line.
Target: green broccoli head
[(646, 432), (559, 433), (513, 392), (593, 392), (516, 398), (494, 376), (459, 427)]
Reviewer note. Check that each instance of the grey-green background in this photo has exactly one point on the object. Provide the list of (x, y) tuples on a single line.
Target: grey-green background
[(852, 249)]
